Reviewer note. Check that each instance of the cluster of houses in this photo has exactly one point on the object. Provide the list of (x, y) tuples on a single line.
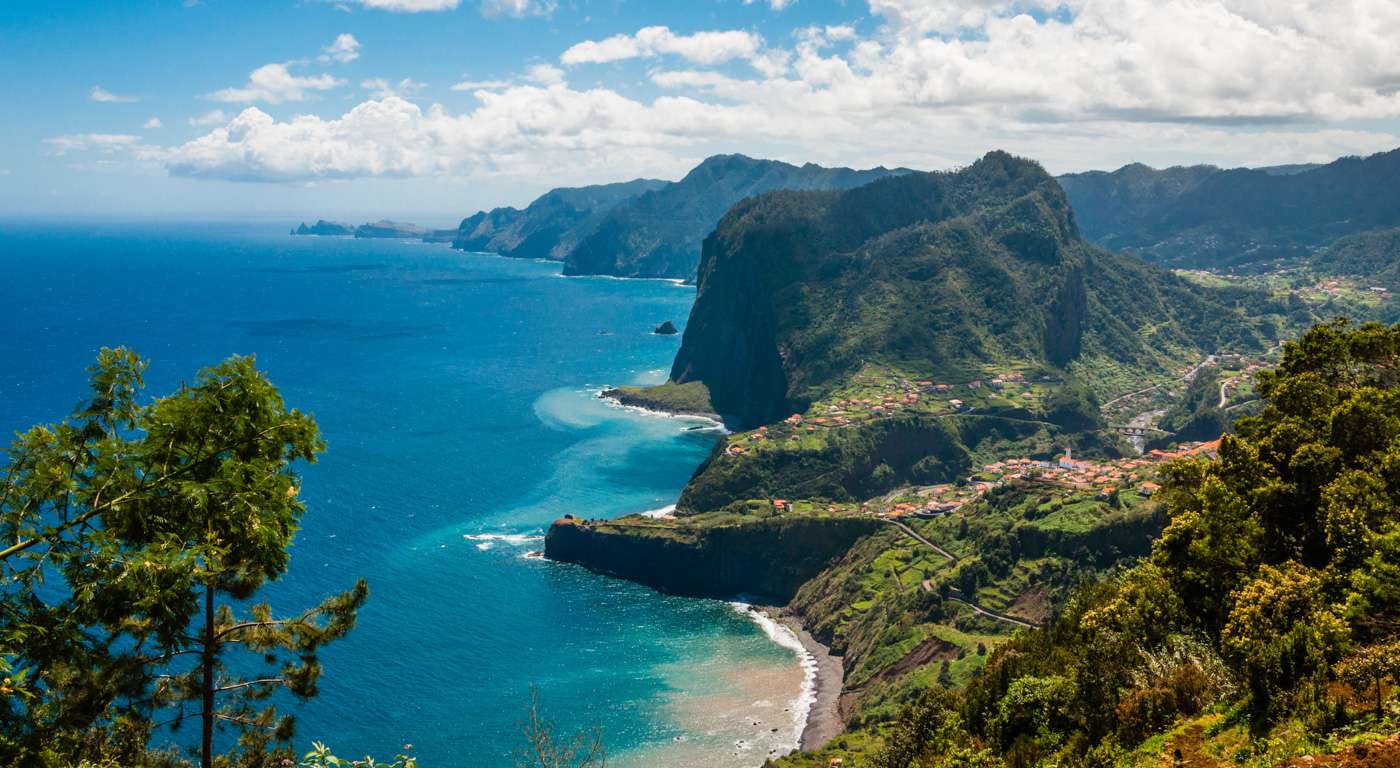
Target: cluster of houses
[(1066, 472), (898, 396), (1232, 385)]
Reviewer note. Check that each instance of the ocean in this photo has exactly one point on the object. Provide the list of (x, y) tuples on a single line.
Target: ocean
[(457, 395)]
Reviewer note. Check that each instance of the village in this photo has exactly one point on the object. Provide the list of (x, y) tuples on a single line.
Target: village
[(876, 394), (1065, 476), (879, 393)]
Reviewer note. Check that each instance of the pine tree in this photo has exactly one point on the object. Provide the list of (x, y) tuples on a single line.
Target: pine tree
[(134, 530)]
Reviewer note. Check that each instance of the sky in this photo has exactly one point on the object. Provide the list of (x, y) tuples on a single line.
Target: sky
[(432, 109)]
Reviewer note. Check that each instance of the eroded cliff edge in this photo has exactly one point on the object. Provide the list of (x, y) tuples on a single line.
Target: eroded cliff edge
[(766, 559)]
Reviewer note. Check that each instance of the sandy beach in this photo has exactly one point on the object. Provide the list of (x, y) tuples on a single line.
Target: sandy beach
[(824, 722)]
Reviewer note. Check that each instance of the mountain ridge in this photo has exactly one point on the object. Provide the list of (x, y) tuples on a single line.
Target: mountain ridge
[(929, 271), (659, 234), (551, 225), (1209, 217)]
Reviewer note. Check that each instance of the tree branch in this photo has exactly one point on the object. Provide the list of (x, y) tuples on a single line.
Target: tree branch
[(262, 681)]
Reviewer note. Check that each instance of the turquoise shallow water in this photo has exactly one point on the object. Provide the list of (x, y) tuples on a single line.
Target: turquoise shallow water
[(455, 391)]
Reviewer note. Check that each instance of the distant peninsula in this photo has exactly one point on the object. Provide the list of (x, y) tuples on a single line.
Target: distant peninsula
[(325, 228), (382, 229)]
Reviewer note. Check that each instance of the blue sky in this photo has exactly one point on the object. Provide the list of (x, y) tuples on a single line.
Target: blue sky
[(309, 108)]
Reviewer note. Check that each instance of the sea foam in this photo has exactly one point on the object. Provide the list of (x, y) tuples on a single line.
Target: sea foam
[(485, 541), (783, 636)]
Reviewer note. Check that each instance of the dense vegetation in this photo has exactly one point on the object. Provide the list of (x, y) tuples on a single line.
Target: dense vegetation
[(138, 535), (659, 234), (1269, 605), (946, 274), (1110, 206), (859, 462), (1372, 258), (1239, 218), (1198, 415), (136, 539)]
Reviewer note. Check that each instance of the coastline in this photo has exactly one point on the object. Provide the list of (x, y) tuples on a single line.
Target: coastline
[(822, 722), (618, 399)]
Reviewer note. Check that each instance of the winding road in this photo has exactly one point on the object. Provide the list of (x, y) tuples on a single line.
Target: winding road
[(927, 584), (911, 533), (1191, 374)]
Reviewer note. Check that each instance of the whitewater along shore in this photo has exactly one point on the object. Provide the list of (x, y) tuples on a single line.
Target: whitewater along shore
[(667, 400), (824, 721), (699, 558)]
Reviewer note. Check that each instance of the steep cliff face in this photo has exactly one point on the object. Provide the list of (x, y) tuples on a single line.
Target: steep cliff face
[(551, 226), (659, 234), (942, 273), (763, 558)]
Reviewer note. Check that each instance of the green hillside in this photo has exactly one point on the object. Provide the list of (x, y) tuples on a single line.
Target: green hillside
[(1238, 218), (660, 234), (945, 275)]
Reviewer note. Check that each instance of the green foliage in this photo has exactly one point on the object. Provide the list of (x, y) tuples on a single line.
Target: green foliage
[(944, 274), (320, 756), (1370, 666), (841, 464), (1276, 559), (691, 397), (1281, 636), (1239, 217), (1074, 408), (658, 234), (1198, 415), (136, 529)]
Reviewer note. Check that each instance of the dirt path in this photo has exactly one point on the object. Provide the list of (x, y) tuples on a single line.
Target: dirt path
[(1191, 374), (980, 611), (927, 584), (911, 533)]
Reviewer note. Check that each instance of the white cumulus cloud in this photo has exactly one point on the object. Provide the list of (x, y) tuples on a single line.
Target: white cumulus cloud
[(525, 129), (275, 84), (700, 48), (478, 85), (1087, 84), (544, 74), (344, 49), (381, 88), (212, 117), (152, 124)]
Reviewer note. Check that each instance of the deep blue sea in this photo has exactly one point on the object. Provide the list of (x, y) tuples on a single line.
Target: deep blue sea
[(455, 392)]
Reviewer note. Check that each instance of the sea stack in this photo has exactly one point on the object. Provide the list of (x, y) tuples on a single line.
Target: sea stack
[(667, 328)]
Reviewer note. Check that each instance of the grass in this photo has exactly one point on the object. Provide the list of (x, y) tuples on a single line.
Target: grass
[(692, 397)]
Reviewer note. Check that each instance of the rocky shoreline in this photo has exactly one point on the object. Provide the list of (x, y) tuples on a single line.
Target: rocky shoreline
[(632, 399), (824, 721)]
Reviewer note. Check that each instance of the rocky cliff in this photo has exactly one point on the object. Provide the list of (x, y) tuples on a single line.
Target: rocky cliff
[(943, 273), (760, 558), (551, 226), (325, 228), (659, 234)]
